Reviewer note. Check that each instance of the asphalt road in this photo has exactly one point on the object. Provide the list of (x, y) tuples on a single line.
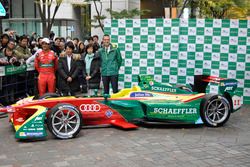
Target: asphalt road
[(145, 147)]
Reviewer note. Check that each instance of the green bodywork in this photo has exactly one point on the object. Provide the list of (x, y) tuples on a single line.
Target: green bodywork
[(147, 82), (157, 110)]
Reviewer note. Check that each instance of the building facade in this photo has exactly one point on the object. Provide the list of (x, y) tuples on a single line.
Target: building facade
[(74, 17)]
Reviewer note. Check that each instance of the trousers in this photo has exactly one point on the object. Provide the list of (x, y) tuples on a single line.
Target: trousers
[(46, 80)]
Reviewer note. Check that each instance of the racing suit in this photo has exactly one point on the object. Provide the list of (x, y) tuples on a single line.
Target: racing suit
[(46, 64)]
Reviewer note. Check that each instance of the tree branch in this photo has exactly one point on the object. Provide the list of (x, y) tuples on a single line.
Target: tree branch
[(54, 14), (183, 7), (98, 14)]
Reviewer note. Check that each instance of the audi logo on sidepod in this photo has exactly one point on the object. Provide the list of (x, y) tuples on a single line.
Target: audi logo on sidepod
[(90, 107)]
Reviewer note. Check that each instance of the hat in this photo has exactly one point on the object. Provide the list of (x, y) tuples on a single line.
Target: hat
[(46, 40)]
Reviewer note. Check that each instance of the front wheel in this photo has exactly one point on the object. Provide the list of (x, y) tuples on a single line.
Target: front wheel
[(64, 121), (215, 110)]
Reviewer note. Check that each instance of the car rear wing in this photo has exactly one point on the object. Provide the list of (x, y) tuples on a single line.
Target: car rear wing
[(225, 85)]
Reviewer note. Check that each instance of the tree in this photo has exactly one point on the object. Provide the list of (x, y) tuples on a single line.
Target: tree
[(223, 9), (45, 10), (128, 14), (99, 18)]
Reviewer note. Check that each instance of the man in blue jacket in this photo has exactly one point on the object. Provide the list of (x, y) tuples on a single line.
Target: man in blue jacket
[(111, 61)]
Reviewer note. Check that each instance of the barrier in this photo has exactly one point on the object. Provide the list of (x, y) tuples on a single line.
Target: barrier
[(16, 82)]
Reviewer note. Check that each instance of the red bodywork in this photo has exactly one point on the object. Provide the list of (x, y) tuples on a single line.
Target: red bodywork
[(101, 115)]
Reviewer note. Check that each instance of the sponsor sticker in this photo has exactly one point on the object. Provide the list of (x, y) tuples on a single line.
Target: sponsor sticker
[(90, 107), (140, 94), (108, 113)]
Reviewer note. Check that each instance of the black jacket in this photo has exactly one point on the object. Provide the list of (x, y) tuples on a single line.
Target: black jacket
[(94, 82), (64, 73)]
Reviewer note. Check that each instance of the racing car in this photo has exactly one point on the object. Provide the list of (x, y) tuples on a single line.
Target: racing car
[(148, 102)]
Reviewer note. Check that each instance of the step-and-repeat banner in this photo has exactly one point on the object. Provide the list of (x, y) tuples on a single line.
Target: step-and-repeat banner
[(174, 50)]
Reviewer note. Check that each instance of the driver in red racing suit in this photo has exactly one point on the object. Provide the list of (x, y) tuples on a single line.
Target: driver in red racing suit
[(46, 64)]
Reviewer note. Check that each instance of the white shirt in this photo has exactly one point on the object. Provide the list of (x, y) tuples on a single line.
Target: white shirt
[(69, 62), (107, 49)]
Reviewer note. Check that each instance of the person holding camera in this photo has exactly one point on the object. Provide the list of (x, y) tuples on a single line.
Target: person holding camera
[(7, 57)]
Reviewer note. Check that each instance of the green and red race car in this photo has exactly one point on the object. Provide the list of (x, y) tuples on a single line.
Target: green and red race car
[(149, 102)]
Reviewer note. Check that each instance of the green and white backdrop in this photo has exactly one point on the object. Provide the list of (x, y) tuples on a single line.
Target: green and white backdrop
[(174, 50)]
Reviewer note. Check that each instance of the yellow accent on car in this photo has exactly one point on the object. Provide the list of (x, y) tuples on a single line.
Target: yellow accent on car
[(125, 92)]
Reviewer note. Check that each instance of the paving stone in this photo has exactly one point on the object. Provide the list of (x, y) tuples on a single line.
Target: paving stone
[(148, 146)]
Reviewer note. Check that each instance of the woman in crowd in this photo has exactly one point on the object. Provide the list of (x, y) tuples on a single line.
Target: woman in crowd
[(7, 57), (4, 41), (81, 48), (91, 70)]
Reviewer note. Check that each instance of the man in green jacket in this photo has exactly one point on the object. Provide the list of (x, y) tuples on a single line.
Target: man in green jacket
[(111, 61)]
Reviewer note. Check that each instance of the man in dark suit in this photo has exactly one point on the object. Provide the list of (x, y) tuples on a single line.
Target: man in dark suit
[(68, 70)]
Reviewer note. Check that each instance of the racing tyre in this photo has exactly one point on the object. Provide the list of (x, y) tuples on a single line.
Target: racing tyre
[(49, 95), (215, 110), (64, 121)]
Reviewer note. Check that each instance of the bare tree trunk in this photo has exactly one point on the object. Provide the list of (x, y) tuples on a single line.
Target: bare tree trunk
[(48, 22), (183, 7), (111, 9), (98, 15)]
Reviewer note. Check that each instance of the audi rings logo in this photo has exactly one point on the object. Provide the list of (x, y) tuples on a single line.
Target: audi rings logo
[(90, 107)]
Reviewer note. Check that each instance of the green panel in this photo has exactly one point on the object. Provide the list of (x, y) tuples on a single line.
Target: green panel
[(144, 39), (234, 32), (144, 55), (200, 31), (166, 46), (159, 39), (136, 31), (223, 57), (243, 23), (208, 23), (122, 31), (159, 22), (182, 47), (167, 30), (242, 41), (208, 39), (175, 39), (183, 30), (144, 23), (107, 30), (151, 31), (128, 54), (136, 47), (226, 23), (217, 31), (129, 23), (191, 39), (225, 40), (121, 46), (192, 23), (158, 55), (175, 22), (129, 39), (114, 39)]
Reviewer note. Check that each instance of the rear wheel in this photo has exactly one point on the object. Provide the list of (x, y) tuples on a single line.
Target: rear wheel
[(64, 121), (215, 110)]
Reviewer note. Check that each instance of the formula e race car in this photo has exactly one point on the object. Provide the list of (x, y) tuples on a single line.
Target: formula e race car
[(149, 102)]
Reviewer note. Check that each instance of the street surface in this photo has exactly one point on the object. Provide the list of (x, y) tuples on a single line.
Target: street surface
[(146, 147)]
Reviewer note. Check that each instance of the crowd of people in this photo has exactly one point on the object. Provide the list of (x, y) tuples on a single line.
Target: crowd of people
[(69, 66)]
